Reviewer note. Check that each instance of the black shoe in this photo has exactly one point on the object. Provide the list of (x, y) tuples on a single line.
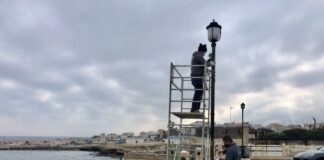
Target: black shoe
[(195, 111)]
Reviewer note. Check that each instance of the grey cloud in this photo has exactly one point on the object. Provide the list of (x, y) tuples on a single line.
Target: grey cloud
[(47, 46), (308, 79)]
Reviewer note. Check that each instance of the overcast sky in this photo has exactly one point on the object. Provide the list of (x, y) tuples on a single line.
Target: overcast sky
[(79, 68)]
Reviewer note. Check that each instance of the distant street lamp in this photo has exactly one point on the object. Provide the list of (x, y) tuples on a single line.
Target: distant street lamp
[(214, 35), (231, 114), (242, 107)]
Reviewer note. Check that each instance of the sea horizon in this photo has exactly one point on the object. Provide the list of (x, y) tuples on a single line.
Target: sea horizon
[(35, 138)]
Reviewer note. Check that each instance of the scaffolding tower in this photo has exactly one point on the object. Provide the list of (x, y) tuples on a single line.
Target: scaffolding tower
[(180, 118)]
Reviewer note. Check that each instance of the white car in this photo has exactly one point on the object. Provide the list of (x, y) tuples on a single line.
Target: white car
[(317, 154)]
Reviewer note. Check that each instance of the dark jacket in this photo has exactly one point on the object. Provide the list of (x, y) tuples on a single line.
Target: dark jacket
[(197, 59), (233, 152)]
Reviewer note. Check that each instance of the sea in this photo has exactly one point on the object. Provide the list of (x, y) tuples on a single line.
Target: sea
[(51, 155), (34, 138), (45, 155)]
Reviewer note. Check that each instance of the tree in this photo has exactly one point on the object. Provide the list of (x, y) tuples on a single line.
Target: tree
[(297, 134)]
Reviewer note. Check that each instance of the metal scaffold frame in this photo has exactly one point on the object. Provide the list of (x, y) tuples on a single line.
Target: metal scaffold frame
[(184, 115)]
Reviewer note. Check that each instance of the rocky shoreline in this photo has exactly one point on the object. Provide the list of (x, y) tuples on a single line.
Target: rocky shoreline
[(97, 150), (107, 150), (102, 151)]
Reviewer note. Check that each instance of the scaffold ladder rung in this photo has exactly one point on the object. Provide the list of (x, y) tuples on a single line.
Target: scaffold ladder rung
[(199, 109), (187, 89)]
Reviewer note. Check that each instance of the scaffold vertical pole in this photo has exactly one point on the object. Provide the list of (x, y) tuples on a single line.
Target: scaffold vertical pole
[(169, 113)]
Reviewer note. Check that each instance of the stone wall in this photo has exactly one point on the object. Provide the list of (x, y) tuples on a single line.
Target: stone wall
[(278, 150), (288, 142), (144, 156)]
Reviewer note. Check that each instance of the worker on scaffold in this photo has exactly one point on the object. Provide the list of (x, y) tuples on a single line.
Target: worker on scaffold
[(197, 74)]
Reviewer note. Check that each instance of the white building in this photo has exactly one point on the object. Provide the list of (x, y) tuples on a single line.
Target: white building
[(135, 140), (150, 135), (102, 139), (276, 127), (127, 135), (112, 136)]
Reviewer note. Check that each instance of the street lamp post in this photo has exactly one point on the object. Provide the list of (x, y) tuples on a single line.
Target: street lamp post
[(242, 107), (214, 35), (231, 114)]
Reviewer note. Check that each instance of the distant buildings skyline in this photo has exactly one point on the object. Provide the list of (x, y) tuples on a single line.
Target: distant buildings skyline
[(251, 131)]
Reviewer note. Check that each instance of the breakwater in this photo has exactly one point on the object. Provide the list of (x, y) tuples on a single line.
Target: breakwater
[(111, 150)]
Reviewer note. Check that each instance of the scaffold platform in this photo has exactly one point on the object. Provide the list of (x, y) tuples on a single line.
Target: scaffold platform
[(189, 115)]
